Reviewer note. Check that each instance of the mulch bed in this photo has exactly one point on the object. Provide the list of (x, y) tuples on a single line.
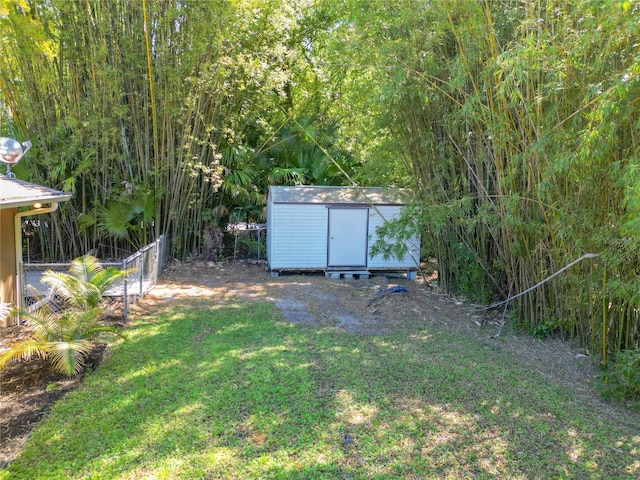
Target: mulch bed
[(28, 390)]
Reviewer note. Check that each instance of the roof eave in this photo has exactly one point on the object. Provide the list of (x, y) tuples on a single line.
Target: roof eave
[(28, 202)]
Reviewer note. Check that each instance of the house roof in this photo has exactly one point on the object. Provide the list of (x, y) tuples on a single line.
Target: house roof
[(16, 193), (340, 195)]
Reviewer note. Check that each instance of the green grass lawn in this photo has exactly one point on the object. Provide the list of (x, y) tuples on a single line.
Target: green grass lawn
[(233, 391)]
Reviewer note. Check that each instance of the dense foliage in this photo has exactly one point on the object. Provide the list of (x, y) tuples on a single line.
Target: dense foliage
[(160, 116), (516, 123), (519, 125)]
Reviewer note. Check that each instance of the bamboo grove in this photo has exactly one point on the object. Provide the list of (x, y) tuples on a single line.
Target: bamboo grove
[(159, 116), (519, 123), (515, 122)]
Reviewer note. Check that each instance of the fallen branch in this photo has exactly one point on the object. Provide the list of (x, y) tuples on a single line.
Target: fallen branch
[(508, 300)]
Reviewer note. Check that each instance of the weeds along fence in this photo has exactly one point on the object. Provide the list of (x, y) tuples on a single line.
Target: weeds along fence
[(146, 265)]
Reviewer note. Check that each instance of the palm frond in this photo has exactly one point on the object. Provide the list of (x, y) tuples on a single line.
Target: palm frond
[(114, 220), (78, 325), (68, 357), (42, 322), (60, 282), (108, 276), (80, 293), (105, 331), (86, 221), (85, 267), (5, 311), (24, 350), (144, 204), (287, 176)]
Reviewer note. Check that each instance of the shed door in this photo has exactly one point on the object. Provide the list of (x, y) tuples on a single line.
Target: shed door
[(348, 237)]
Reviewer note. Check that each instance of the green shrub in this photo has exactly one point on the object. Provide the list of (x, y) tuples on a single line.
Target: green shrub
[(542, 330), (67, 338), (622, 381)]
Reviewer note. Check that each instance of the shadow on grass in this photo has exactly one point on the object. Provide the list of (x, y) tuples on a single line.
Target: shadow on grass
[(234, 392)]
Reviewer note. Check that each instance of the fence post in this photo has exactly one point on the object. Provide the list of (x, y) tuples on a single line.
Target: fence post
[(125, 298), (156, 267)]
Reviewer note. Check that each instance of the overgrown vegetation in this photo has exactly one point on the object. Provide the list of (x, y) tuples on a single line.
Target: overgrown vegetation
[(622, 381), (516, 123), (230, 390), (161, 116), (66, 335)]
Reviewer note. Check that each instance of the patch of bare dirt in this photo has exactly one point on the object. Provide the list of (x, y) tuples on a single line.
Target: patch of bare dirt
[(373, 306), (360, 307)]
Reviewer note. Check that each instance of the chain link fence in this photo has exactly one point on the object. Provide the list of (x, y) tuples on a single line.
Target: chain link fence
[(146, 265)]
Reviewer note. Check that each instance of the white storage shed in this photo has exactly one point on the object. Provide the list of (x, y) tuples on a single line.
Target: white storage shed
[(333, 229)]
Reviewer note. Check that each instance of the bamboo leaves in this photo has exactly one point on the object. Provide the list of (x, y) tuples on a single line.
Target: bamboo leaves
[(154, 94), (518, 123)]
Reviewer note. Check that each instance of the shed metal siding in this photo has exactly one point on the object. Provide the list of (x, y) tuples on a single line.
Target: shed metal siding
[(298, 225), (376, 220), (269, 227), (298, 236)]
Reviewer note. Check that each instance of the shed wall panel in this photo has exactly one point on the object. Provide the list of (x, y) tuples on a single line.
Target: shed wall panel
[(298, 236), (377, 220), (269, 227)]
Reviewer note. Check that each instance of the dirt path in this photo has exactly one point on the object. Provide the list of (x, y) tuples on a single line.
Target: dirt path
[(359, 307)]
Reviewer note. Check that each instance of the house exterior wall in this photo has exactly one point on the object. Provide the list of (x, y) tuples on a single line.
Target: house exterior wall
[(7, 257), (14, 195)]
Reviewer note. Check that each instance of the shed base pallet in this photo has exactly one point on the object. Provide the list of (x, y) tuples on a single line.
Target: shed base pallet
[(351, 274), (347, 274)]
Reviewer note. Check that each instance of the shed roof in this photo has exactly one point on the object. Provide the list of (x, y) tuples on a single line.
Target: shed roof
[(340, 195), (16, 193)]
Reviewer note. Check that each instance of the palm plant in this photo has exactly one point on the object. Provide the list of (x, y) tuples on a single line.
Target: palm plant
[(299, 157), (85, 283), (67, 338), (128, 218)]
